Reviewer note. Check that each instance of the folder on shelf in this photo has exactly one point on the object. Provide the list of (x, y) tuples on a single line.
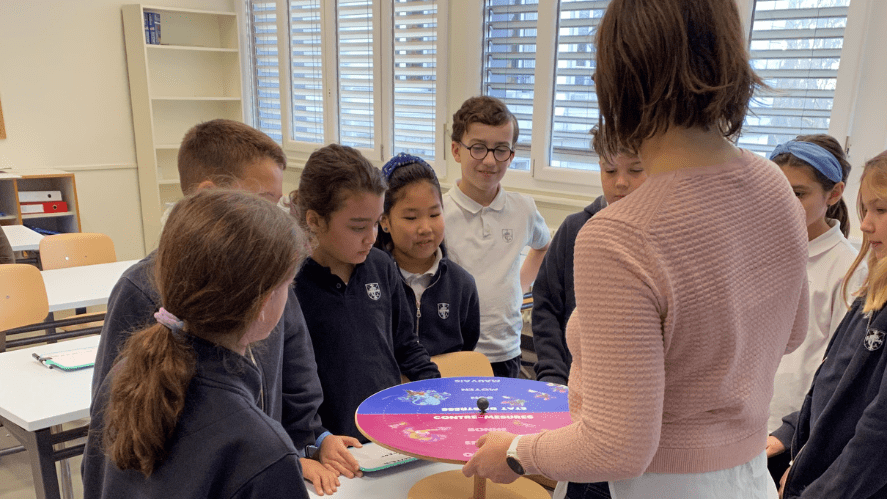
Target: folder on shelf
[(39, 196), (69, 360), (50, 207)]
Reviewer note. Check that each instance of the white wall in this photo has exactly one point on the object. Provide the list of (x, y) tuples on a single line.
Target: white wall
[(65, 97)]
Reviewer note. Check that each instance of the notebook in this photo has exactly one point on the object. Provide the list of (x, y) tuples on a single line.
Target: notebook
[(69, 360), (372, 457)]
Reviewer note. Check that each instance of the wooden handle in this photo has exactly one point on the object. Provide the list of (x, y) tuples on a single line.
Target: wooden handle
[(480, 488)]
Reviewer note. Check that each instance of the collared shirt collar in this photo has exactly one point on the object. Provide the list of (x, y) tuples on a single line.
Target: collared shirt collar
[(826, 240), (472, 206)]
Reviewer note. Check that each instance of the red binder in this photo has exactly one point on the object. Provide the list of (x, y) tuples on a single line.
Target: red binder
[(46, 207)]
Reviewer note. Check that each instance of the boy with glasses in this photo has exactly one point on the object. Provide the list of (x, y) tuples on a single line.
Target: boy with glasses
[(487, 227)]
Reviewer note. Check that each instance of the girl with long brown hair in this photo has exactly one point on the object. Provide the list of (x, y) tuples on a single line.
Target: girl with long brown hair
[(179, 415)]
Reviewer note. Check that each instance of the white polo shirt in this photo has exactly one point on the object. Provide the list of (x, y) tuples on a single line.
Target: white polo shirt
[(829, 257), (487, 242)]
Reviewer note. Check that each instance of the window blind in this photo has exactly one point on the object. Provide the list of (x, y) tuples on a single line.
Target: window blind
[(575, 108), (265, 65), (510, 29), (306, 75), (415, 77), (796, 48), (356, 100)]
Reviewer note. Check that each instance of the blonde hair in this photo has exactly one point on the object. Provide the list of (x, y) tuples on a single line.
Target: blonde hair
[(874, 288)]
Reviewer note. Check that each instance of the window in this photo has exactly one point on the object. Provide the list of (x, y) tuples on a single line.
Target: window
[(515, 32), (376, 90), (796, 48)]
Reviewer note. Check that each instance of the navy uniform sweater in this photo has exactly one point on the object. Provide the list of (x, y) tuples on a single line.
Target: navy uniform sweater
[(363, 336), (448, 314), (291, 388), (840, 442), (554, 299), (223, 446)]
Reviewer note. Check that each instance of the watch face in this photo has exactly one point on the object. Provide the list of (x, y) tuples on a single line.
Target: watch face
[(515, 465)]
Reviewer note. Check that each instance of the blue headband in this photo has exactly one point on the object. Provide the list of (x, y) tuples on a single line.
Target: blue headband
[(814, 155), (401, 160)]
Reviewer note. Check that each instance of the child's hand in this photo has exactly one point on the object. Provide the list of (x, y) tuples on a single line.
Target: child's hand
[(334, 454), (324, 479), (774, 446)]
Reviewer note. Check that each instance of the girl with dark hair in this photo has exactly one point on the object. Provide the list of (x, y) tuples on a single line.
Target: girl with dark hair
[(441, 294), (817, 170), (178, 414), (688, 291), (360, 323)]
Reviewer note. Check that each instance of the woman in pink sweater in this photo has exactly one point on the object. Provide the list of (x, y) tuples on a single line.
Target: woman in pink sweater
[(688, 291)]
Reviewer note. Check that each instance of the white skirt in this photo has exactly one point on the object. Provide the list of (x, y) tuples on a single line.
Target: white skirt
[(746, 481)]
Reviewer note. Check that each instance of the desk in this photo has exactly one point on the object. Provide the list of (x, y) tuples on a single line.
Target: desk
[(40, 398), (22, 238), (79, 287)]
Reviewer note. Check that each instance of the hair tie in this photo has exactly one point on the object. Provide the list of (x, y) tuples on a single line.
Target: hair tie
[(169, 320), (816, 156), (401, 160)]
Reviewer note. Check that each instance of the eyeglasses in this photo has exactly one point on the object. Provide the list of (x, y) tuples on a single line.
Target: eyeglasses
[(480, 151)]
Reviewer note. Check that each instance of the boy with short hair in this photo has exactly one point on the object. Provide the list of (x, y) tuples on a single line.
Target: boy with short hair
[(225, 153), (553, 296), (487, 227)]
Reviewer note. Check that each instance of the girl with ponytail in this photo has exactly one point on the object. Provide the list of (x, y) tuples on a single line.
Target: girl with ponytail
[(817, 170), (179, 415)]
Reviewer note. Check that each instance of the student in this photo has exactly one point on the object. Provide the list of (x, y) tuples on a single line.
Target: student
[(181, 415), (225, 153), (841, 426), (441, 295), (688, 291), (487, 227), (358, 316), (6, 253), (817, 170), (553, 295)]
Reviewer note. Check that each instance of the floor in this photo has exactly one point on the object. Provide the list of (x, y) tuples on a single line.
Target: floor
[(15, 472)]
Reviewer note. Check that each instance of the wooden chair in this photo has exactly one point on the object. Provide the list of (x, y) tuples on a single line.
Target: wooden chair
[(463, 364), (75, 250)]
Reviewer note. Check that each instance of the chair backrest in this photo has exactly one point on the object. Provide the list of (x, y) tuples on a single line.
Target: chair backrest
[(74, 250), (463, 364), (22, 298)]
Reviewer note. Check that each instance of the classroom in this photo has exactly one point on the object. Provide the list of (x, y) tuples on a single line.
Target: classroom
[(81, 93)]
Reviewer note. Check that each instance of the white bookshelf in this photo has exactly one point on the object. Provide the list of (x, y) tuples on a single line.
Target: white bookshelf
[(193, 76)]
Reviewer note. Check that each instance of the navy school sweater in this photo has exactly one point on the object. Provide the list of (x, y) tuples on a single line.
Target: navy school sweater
[(840, 442), (554, 298), (363, 336), (223, 446), (448, 314), (292, 389)]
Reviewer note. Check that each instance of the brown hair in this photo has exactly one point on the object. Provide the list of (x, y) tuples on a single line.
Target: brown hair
[(219, 150), (221, 254), (331, 174), (485, 110), (597, 145), (839, 210), (667, 63), (874, 288)]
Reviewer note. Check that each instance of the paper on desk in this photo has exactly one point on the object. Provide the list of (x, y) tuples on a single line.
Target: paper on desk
[(70, 360), (372, 457)]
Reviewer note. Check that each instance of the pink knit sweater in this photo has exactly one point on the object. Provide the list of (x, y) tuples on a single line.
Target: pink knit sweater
[(688, 293)]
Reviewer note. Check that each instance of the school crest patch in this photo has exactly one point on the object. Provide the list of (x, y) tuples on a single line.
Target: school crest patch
[(508, 235), (873, 340), (374, 291), (443, 310)]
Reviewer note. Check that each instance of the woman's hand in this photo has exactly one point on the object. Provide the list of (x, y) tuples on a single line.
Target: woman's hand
[(489, 460), (774, 446)]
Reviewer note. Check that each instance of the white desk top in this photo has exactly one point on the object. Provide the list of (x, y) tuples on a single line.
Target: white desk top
[(85, 286), (22, 238), (36, 397), (393, 483)]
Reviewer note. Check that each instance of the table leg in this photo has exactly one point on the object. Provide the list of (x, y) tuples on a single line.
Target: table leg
[(67, 491), (40, 454), (480, 488)]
